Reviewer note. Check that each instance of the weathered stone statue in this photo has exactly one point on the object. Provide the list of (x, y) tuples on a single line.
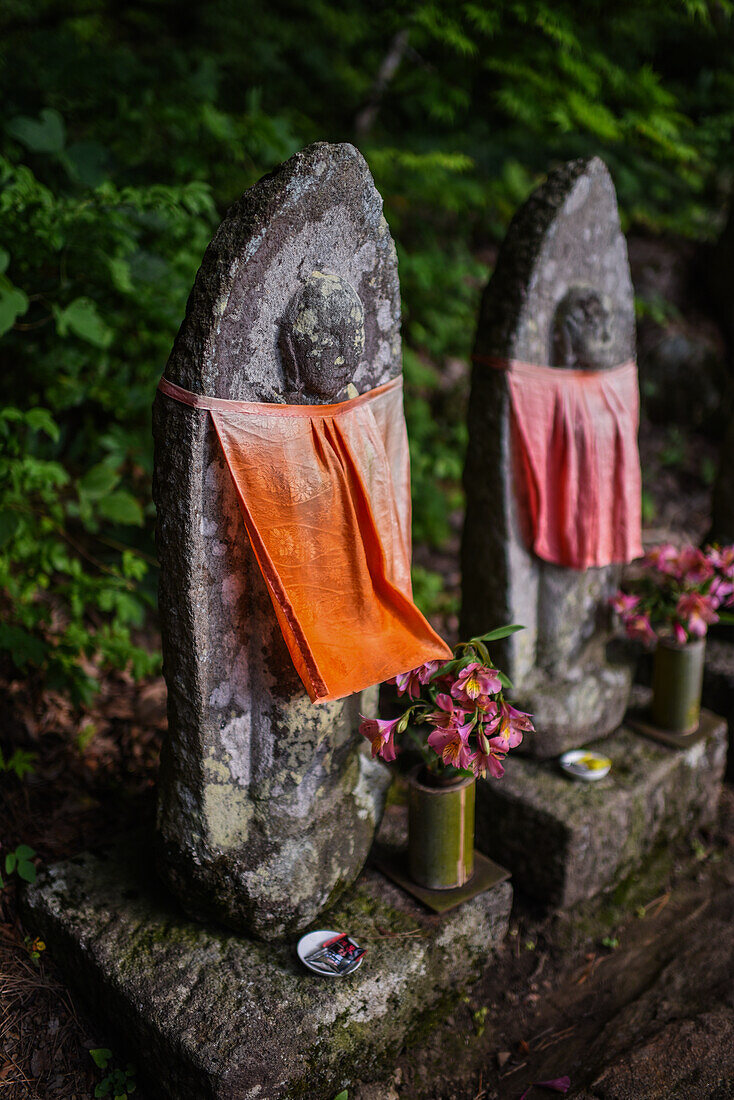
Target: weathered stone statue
[(268, 804), (560, 296)]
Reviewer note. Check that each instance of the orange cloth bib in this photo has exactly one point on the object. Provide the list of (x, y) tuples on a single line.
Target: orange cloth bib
[(325, 496), (575, 440)]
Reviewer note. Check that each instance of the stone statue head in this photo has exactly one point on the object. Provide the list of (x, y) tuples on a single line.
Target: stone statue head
[(582, 330), (322, 337)]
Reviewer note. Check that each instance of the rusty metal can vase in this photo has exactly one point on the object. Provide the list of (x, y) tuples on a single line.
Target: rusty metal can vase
[(440, 831), (677, 683)]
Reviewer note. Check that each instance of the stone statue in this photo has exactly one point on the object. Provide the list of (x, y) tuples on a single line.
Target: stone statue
[(561, 296), (268, 804)]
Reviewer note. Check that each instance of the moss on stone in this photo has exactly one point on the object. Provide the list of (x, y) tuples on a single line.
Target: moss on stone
[(211, 1013)]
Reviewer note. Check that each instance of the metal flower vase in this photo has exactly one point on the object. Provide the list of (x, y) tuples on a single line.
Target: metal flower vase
[(677, 684), (440, 830)]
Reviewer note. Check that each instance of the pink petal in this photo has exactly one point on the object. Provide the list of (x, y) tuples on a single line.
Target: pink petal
[(559, 1084)]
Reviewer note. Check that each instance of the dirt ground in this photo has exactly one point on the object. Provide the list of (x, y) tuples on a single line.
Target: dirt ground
[(634, 1002)]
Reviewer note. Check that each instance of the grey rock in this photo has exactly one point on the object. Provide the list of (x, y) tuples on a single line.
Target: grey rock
[(689, 1059), (561, 295), (567, 841), (296, 298), (718, 688), (206, 1014)]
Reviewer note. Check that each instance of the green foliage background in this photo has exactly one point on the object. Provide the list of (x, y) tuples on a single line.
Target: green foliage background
[(127, 129)]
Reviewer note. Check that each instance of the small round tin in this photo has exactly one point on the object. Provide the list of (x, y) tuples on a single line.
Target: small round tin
[(311, 942), (584, 765)]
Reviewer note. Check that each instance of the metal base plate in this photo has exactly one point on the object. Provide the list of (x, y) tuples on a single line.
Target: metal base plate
[(640, 722), (487, 874)]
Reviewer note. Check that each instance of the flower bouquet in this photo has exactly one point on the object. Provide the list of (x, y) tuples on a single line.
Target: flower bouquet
[(459, 720), (678, 593), (671, 602)]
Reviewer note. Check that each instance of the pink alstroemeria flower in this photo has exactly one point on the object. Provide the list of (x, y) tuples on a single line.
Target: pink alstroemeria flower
[(722, 558), (664, 558), (679, 634), (474, 683), (410, 683), (380, 733), (721, 592), (450, 738), (639, 628), (698, 612), (427, 670), (488, 758), (451, 743), (624, 604), (407, 683), (692, 566), (513, 723)]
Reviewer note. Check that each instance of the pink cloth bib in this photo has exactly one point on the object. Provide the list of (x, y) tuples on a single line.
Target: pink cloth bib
[(575, 444)]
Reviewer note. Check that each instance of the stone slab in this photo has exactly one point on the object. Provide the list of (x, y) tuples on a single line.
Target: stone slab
[(206, 1014), (641, 722), (566, 841), (487, 875), (718, 688)]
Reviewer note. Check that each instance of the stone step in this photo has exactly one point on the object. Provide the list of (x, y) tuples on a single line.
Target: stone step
[(206, 1013), (566, 841)]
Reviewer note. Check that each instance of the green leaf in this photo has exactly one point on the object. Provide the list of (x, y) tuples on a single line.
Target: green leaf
[(505, 681), (88, 161), (21, 762), (23, 647), (81, 318), (342, 1095), (10, 861), (99, 480), (9, 522), (495, 635), (483, 652), (13, 304), (4, 260), (41, 420), (24, 851), (101, 1057), (44, 136), (121, 507), (26, 870)]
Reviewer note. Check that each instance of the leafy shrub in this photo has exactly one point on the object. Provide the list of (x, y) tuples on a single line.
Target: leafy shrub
[(127, 130)]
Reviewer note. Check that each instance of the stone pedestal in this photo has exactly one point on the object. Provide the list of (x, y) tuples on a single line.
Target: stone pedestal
[(566, 841), (205, 1013)]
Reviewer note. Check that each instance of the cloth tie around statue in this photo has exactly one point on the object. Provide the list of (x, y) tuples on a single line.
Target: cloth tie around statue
[(325, 496)]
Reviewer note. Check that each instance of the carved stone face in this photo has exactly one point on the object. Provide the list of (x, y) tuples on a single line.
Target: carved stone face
[(582, 330), (322, 337)]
